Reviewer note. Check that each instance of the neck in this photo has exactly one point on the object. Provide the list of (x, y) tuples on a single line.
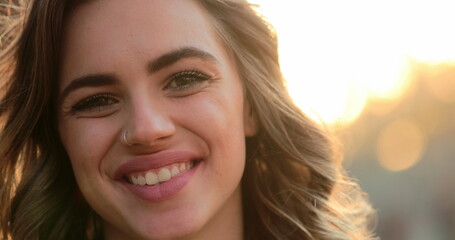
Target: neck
[(227, 224)]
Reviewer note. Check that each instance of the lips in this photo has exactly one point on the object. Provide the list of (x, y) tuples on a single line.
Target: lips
[(158, 176), (153, 162)]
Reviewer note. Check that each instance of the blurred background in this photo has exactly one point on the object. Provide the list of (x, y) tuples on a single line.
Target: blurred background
[(381, 76)]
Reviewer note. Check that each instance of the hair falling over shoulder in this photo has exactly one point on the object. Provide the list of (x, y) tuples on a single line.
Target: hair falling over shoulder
[(293, 186)]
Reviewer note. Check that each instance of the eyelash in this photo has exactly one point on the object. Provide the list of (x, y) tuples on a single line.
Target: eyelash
[(190, 78), (95, 102)]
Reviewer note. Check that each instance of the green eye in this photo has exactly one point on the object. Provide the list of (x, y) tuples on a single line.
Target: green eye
[(95, 103), (186, 80)]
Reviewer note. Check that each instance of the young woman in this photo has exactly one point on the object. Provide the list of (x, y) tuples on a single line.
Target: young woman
[(162, 119)]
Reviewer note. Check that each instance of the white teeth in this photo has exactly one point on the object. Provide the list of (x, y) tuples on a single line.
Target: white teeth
[(134, 180), (141, 180), (164, 174), (174, 171), (151, 178)]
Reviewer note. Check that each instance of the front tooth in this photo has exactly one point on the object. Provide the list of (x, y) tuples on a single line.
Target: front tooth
[(141, 180), (151, 178), (175, 171), (164, 174)]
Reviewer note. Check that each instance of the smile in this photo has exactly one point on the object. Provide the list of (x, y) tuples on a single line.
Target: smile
[(160, 175)]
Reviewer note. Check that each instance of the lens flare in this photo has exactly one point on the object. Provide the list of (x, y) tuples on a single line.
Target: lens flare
[(400, 145)]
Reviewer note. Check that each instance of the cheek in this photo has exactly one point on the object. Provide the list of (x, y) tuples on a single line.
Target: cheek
[(219, 123), (86, 142)]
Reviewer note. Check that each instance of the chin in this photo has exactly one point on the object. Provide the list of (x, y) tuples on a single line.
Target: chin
[(176, 224)]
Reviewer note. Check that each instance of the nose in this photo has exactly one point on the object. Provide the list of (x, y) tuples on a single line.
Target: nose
[(147, 124)]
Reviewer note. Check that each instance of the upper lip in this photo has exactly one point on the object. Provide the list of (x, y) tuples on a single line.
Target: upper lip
[(153, 161)]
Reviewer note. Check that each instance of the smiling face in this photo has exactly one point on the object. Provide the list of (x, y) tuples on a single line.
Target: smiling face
[(156, 74)]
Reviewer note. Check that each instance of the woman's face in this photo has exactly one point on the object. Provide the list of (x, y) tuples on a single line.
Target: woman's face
[(156, 70)]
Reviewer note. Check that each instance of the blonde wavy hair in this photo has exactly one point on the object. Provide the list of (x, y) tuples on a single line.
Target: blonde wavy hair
[(293, 187)]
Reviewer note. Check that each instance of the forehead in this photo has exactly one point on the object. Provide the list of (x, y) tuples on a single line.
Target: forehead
[(126, 16), (102, 30)]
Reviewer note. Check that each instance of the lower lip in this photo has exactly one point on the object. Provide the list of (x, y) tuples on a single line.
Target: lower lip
[(163, 191)]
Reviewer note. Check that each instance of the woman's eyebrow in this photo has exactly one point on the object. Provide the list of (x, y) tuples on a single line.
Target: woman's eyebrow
[(154, 66), (174, 56), (95, 80)]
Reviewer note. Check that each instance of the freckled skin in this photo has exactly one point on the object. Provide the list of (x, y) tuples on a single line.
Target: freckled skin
[(119, 39)]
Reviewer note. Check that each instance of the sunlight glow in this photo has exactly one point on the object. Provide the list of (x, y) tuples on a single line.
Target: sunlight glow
[(336, 55), (400, 145), (443, 88)]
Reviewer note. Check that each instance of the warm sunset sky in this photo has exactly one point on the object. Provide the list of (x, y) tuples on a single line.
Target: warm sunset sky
[(338, 54)]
